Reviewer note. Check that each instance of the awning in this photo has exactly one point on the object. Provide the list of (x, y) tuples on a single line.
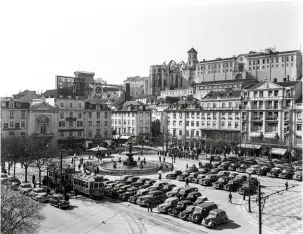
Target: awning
[(250, 146), (278, 151), (255, 134), (270, 135)]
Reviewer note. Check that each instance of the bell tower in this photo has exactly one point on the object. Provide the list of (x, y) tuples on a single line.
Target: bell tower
[(192, 58)]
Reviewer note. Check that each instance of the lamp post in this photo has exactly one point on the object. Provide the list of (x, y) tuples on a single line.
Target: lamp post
[(61, 179)]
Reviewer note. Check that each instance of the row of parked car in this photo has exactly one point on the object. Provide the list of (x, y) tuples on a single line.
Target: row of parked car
[(38, 194), (186, 203)]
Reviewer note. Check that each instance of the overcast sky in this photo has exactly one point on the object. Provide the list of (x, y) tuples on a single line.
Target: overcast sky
[(117, 39)]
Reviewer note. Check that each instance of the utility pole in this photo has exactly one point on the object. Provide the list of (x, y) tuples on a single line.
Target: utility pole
[(61, 179), (260, 210)]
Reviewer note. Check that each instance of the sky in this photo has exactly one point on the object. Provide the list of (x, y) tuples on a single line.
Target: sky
[(118, 39)]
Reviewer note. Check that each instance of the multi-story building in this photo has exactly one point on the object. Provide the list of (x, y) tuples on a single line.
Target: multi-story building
[(132, 118), (297, 124), (97, 122), (179, 92), (14, 117), (138, 85)]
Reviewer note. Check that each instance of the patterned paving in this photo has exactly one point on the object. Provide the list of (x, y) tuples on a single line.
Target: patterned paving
[(282, 213)]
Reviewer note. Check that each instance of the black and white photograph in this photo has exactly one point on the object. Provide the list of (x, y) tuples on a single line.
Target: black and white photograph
[(151, 117)]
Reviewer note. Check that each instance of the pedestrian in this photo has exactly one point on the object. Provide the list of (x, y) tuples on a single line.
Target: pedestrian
[(164, 159), (72, 160), (33, 179), (230, 197), (160, 176), (160, 159), (149, 207), (186, 182), (186, 166), (244, 196), (286, 185)]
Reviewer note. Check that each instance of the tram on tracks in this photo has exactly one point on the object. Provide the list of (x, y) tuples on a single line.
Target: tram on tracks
[(89, 185)]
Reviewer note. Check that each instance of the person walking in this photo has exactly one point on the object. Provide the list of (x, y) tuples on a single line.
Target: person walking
[(186, 182), (286, 185), (160, 176), (230, 197), (149, 207), (244, 194)]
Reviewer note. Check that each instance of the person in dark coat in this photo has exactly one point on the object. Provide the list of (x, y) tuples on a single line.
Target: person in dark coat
[(186, 182), (230, 197), (286, 185), (160, 176), (149, 207)]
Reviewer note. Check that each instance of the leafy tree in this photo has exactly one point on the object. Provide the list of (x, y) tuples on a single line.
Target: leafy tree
[(19, 213), (9, 152)]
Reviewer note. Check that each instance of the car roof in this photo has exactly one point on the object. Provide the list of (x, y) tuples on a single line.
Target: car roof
[(57, 195), (156, 191), (205, 204), (185, 201), (188, 188), (171, 199), (194, 192), (217, 210)]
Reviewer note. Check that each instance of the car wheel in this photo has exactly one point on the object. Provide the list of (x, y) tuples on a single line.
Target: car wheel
[(212, 225), (225, 221)]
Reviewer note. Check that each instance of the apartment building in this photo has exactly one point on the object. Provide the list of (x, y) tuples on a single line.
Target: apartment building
[(132, 118)]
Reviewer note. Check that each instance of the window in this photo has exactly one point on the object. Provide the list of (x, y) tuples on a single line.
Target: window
[(269, 93), (272, 127), (61, 115), (23, 114), (105, 124), (71, 105), (187, 123), (174, 115), (236, 125), (79, 115), (11, 114), (61, 134), (180, 123), (11, 133), (98, 115), (299, 127), (197, 133), (276, 93), (90, 133), (106, 132), (89, 115), (97, 107), (79, 134), (11, 104), (229, 124), (97, 131), (105, 114), (192, 123), (133, 122), (22, 133), (70, 134), (197, 123), (5, 125), (192, 133), (17, 125), (180, 116), (79, 123), (79, 105), (261, 93), (70, 123), (11, 124), (214, 123), (147, 114), (174, 123), (22, 124), (97, 123), (61, 124), (208, 124), (70, 114), (180, 132), (61, 104), (141, 114), (43, 128)]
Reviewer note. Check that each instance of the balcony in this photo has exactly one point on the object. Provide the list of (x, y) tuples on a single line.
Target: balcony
[(257, 107), (257, 118), (274, 118), (44, 134)]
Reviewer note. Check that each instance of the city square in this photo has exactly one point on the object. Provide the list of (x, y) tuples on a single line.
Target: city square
[(186, 132)]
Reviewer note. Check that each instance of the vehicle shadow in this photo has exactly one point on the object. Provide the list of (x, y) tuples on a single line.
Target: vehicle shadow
[(71, 207), (230, 225)]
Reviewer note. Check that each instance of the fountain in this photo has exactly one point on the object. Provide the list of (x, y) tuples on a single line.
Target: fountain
[(130, 159)]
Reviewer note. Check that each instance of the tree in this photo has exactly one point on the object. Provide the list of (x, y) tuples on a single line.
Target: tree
[(9, 152), (19, 213)]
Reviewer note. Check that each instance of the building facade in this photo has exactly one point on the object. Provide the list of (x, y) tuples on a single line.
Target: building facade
[(138, 85)]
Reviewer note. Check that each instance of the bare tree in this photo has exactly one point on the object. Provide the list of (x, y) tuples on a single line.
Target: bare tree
[(9, 152), (19, 214)]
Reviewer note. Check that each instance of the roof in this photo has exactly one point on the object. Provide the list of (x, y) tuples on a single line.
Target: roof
[(205, 204), (135, 78), (223, 94), (287, 83), (192, 50), (50, 92), (216, 82)]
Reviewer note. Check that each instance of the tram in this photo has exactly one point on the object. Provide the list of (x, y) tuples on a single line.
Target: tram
[(89, 185)]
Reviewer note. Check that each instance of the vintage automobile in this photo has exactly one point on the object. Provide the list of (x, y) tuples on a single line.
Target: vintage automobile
[(242, 168), (200, 200), (183, 176), (185, 191), (168, 187), (117, 187), (233, 175), (208, 180), (153, 197), (25, 188), (140, 192), (223, 173), (192, 176), (187, 213), (274, 172), (241, 177), (58, 200), (247, 188), (233, 166), (199, 177), (129, 192), (214, 218), (204, 170), (39, 194), (233, 185), (253, 169), (224, 165), (193, 168), (173, 175), (168, 204), (173, 192), (263, 170), (147, 184), (123, 178), (158, 185), (219, 184), (297, 176), (202, 210), (131, 180), (123, 189), (286, 174), (181, 206), (192, 196), (215, 171), (109, 188), (140, 182), (14, 183)]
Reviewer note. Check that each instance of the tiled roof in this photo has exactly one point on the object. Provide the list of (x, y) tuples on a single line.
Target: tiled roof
[(223, 94), (288, 83), (191, 50), (216, 82), (50, 92)]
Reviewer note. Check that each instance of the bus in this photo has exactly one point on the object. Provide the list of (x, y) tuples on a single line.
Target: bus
[(89, 185)]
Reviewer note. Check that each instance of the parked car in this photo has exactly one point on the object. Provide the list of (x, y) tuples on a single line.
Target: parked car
[(200, 200), (181, 206), (214, 218), (286, 174), (168, 204), (185, 191), (117, 187), (192, 196), (39, 194), (123, 178), (224, 165), (253, 169), (123, 189), (242, 168), (173, 174), (223, 173), (140, 182), (153, 197), (14, 183), (168, 187), (233, 185), (297, 176), (247, 188), (25, 188), (202, 210), (183, 176), (233, 175), (158, 185), (192, 176), (187, 213), (274, 172), (131, 180), (147, 184), (58, 200), (219, 184), (129, 192), (263, 170), (242, 178), (233, 166), (140, 192), (208, 180), (173, 192), (204, 170), (215, 171), (109, 188), (193, 168), (199, 177)]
